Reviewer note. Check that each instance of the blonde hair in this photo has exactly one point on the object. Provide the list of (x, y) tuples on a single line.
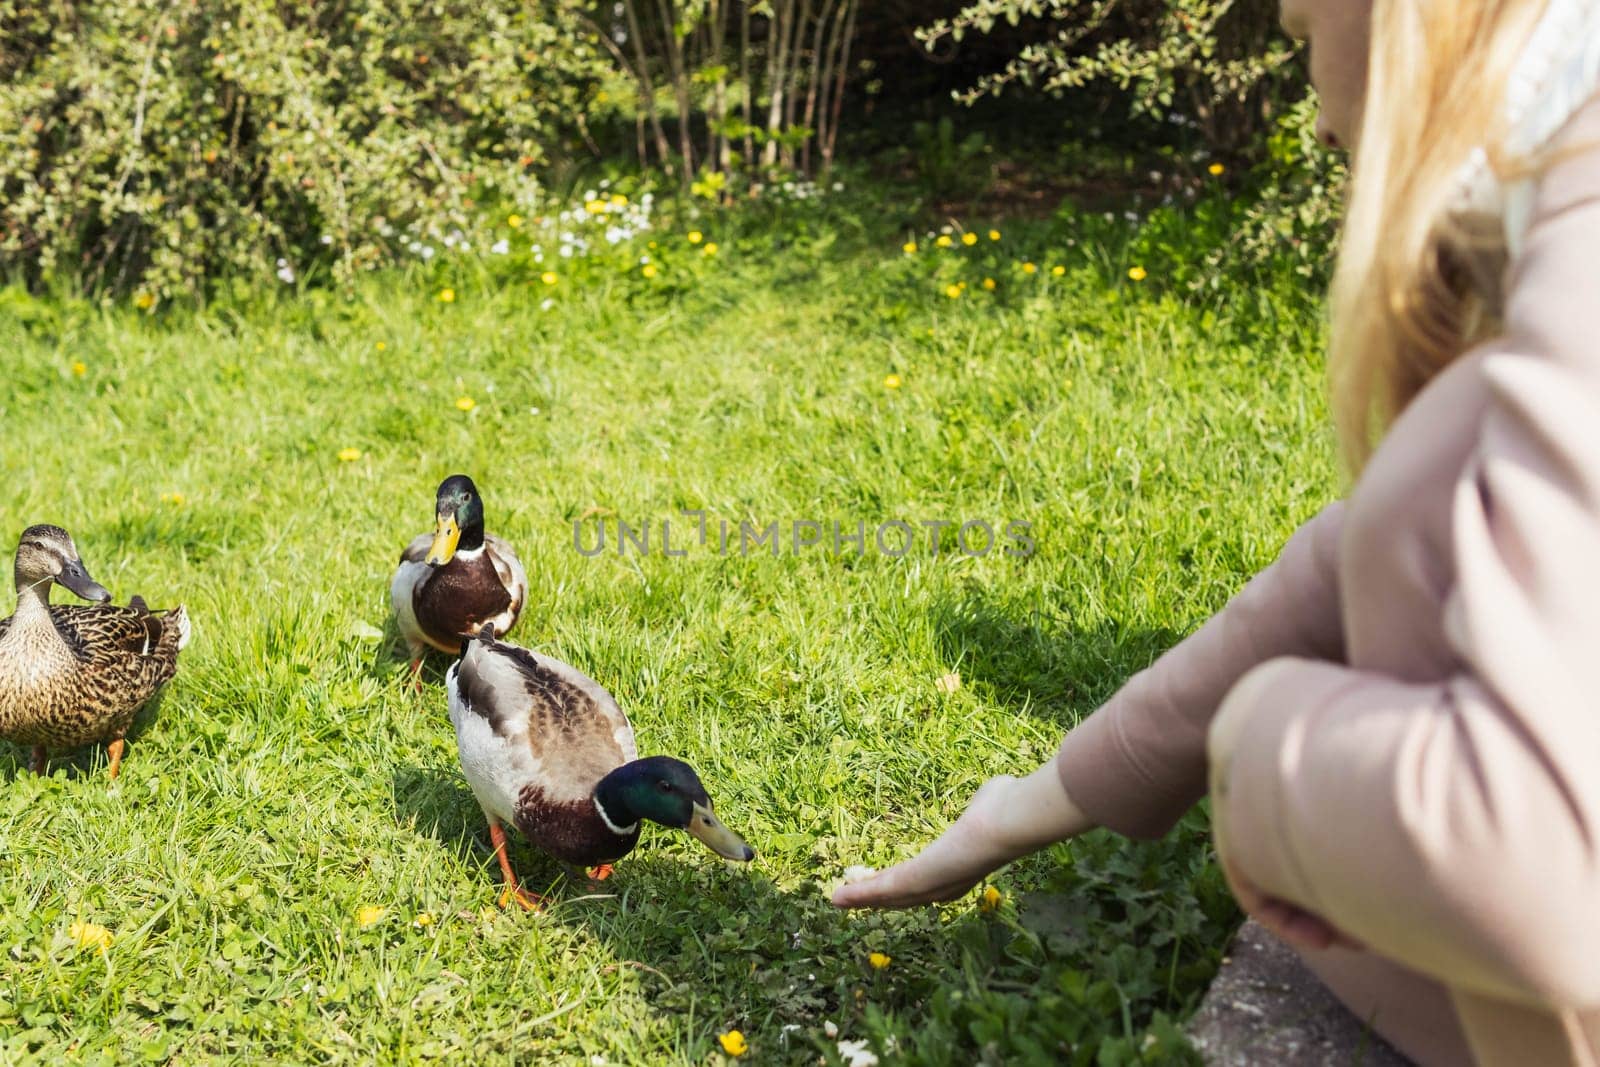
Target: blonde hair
[(1406, 299)]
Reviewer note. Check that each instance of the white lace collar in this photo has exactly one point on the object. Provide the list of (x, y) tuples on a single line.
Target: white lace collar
[(1559, 70)]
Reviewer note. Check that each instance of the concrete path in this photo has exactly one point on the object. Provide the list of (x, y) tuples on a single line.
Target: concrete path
[(1265, 1008)]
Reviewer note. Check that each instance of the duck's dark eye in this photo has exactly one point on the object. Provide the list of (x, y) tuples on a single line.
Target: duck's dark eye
[(665, 787)]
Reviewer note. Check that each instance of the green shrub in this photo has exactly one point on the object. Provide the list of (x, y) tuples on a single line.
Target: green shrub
[(1219, 69), (1222, 65), (146, 147)]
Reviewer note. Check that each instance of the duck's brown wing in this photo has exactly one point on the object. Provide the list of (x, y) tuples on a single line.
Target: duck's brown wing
[(508, 569), (139, 649), (575, 731), (417, 550)]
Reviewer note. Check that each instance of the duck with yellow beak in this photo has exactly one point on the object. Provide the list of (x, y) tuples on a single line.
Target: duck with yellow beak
[(548, 751), (452, 582)]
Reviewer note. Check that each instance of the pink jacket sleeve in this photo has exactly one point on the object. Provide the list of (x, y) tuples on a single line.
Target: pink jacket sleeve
[(1139, 762), (1457, 824)]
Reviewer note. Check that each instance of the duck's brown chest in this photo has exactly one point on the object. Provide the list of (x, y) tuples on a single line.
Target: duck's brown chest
[(571, 831), (43, 698), (458, 598)]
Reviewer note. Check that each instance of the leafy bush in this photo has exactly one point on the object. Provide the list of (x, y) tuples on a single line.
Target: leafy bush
[(145, 146), (1221, 64)]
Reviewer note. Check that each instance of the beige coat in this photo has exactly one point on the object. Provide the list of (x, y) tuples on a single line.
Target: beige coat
[(1413, 688)]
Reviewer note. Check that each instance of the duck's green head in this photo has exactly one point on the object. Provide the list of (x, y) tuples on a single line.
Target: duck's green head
[(667, 791), (46, 554), (459, 510)]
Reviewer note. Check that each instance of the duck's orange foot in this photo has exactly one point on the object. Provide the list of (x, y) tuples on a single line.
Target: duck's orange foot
[(524, 899), (600, 873)]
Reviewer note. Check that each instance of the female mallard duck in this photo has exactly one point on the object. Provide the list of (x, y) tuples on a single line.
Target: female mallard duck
[(73, 674), (455, 580), (550, 752)]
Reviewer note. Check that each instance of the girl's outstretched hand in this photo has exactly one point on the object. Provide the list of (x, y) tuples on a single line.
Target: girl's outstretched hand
[(1006, 819)]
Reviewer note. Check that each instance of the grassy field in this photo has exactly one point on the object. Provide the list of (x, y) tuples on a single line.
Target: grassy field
[(291, 868)]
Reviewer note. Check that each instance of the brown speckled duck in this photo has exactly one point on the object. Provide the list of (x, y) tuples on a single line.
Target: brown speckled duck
[(74, 675), (453, 581), (548, 750)]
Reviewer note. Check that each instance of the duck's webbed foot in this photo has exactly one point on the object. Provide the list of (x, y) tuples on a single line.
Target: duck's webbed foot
[(522, 898), (600, 873), (114, 753), (513, 889)]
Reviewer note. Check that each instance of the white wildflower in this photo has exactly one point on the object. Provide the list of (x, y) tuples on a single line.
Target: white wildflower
[(857, 1054)]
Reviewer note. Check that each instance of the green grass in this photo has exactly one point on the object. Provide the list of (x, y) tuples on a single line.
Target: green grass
[(1160, 451)]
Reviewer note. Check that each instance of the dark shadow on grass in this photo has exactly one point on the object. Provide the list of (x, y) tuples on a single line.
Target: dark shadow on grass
[(694, 927), (1042, 664)]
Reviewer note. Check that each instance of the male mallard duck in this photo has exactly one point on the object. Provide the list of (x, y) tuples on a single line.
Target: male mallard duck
[(73, 674), (455, 580), (547, 750)]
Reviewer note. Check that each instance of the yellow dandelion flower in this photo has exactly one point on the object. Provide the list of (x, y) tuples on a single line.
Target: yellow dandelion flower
[(878, 960), (990, 899), (79, 368), (1216, 170), (618, 200), (969, 239), (1029, 268), (944, 241), (649, 270), (368, 914), (952, 291), (144, 301), (594, 207), (549, 277), (909, 248), (989, 283), (1058, 270), (382, 345), (175, 499), (465, 403), (695, 237), (994, 235), (423, 919), (87, 935), (514, 221), (1138, 274), (710, 249), (891, 381), (446, 296), (349, 455), (733, 1043)]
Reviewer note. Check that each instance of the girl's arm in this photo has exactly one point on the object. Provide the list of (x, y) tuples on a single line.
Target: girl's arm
[(1457, 823), (1139, 762)]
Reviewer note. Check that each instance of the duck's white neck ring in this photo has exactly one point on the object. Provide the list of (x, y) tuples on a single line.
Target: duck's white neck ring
[(620, 831)]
